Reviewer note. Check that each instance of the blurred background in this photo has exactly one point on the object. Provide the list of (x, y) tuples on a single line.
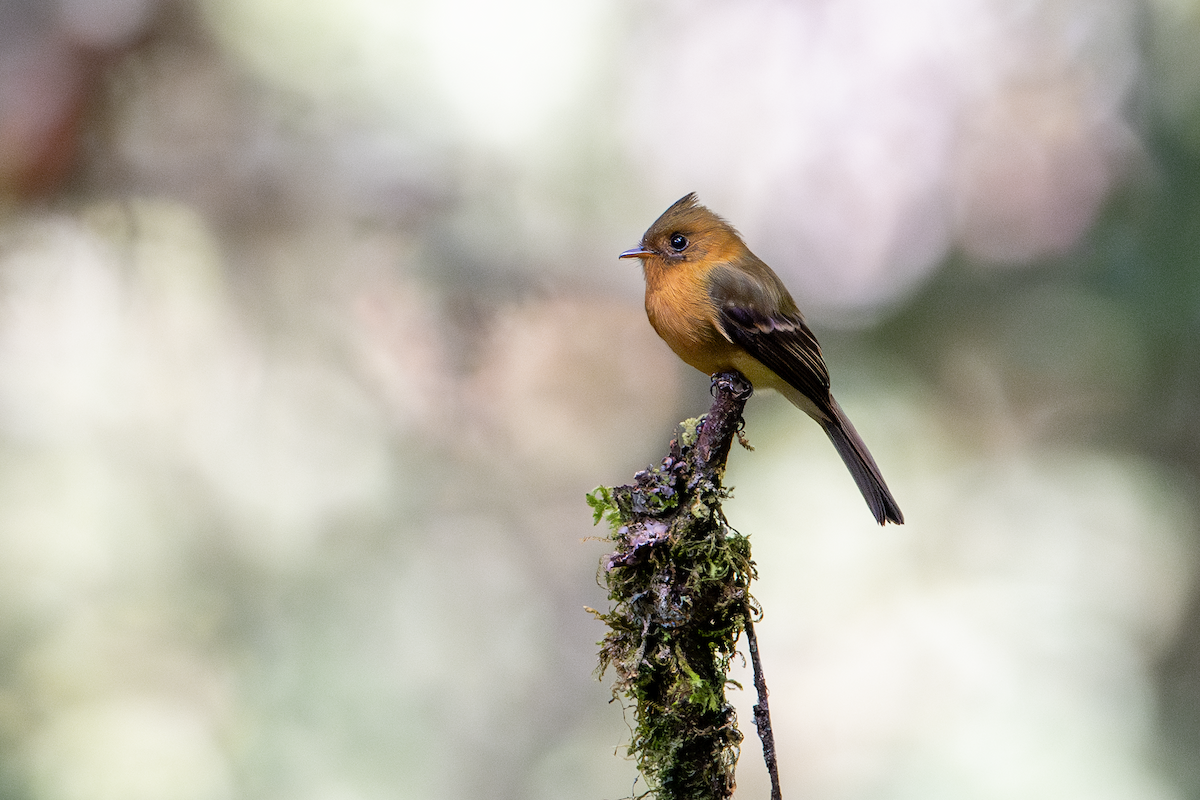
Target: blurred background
[(313, 337)]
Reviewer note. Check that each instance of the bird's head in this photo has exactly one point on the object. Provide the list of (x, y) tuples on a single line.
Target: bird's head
[(687, 232)]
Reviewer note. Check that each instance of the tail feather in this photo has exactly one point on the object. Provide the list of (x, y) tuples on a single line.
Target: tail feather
[(866, 473)]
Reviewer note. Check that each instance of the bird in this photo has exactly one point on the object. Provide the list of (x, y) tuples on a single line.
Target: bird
[(721, 308)]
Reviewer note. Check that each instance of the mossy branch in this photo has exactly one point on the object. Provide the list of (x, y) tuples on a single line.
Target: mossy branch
[(679, 588)]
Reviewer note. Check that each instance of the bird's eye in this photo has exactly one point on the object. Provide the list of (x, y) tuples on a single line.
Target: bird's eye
[(678, 242)]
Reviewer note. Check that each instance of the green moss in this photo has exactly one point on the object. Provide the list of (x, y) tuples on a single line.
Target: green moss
[(678, 583)]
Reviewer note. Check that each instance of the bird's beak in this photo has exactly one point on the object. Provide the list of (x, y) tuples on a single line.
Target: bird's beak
[(636, 252)]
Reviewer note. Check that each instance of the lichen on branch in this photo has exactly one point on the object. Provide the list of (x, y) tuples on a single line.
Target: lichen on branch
[(679, 592)]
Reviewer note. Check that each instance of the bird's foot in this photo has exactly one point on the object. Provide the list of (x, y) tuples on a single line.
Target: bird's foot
[(732, 380)]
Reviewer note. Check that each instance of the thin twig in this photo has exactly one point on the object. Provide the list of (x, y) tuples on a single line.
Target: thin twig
[(762, 713)]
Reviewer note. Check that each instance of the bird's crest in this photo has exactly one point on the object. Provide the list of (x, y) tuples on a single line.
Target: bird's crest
[(687, 213)]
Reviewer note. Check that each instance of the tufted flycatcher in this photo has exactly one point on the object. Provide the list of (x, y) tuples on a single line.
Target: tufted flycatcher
[(720, 308)]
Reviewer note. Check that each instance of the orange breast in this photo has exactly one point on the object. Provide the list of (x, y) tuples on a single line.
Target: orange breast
[(680, 310)]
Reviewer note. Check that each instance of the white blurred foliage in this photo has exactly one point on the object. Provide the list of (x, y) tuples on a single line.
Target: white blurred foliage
[(1000, 644), (121, 329), (499, 73), (142, 423), (130, 748), (854, 143)]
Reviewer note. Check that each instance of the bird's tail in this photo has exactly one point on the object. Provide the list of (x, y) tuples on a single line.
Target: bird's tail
[(858, 460)]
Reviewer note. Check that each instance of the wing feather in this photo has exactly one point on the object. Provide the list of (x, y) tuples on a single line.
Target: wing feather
[(760, 316)]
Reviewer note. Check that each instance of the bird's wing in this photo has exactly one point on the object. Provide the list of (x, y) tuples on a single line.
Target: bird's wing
[(755, 311), (761, 317)]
